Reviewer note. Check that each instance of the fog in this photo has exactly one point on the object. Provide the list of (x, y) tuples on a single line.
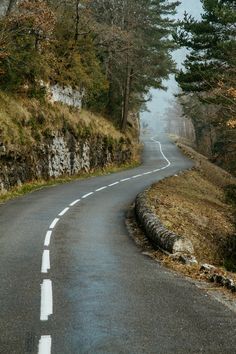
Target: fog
[(161, 100)]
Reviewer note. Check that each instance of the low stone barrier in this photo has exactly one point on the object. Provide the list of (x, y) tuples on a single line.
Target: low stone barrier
[(156, 232), (214, 276)]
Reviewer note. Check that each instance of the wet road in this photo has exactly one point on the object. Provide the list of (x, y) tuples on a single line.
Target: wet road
[(72, 280)]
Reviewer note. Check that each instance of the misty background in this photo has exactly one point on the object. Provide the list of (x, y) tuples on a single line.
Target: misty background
[(162, 101)]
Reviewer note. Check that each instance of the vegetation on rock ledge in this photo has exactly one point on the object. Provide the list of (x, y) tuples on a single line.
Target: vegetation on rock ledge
[(112, 52)]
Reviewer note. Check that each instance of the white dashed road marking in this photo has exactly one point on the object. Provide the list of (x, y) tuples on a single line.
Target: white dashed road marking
[(125, 179), (48, 238), (113, 184), (75, 202), (137, 176), (53, 224), (101, 189), (46, 300), (87, 195), (63, 212), (45, 342), (45, 261)]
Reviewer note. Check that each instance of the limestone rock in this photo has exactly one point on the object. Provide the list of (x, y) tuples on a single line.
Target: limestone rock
[(207, 268), (60, 153)]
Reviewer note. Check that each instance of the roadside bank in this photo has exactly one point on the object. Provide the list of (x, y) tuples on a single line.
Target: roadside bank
[(198, 205)]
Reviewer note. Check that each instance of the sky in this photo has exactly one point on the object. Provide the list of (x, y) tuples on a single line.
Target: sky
[(161, 100)]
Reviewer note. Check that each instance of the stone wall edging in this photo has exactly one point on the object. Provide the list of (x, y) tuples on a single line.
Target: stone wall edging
[(155, 230)]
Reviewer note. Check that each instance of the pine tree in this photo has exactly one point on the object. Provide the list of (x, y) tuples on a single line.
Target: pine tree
[(210, 69)]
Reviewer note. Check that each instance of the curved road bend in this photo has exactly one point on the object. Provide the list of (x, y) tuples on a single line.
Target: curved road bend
[(98, 293)]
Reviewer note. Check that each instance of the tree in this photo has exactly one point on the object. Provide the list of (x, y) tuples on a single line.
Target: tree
[(177, 122), (28, 31), (135, 38), (210, 68), (10, 6), (113, 51), (77, 63)]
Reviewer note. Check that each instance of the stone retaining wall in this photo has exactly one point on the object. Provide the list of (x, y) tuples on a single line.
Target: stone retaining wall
[(60, 154), (156, 232)]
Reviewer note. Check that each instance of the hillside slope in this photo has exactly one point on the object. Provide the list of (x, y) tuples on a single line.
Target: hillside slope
[(194, 204), (40, 140)]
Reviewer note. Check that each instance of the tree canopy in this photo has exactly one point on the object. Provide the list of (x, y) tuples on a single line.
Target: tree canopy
[(112, 50), (209, 71)]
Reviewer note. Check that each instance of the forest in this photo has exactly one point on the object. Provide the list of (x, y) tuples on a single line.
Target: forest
[(112, 52)]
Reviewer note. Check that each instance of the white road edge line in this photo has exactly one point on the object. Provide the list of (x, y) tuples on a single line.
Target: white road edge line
[(87, 195), (45, 344), (46, 300), (64, 211), (47, 238), (53, 224), (45, 261), (75, 202)]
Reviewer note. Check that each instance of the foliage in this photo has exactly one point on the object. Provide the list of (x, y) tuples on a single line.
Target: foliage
[(26, 35), (76, 64), (134, 45), (209, 73), (113, 52)]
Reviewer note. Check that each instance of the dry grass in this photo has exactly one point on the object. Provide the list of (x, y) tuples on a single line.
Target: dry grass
[(212, 172), (26, 122), (193, 205), (12, 113), (193, 272), (23, 121)]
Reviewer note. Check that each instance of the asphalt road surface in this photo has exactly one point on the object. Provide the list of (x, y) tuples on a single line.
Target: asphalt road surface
[(73, 281)]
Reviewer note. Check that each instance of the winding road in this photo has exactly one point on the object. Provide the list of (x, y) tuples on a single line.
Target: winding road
[(73, 281)]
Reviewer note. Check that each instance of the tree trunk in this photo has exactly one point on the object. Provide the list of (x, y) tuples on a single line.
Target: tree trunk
[(77, 19), (11, 4), (126, 98)]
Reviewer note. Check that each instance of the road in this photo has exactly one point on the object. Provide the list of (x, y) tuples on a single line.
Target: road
[(73, 281)]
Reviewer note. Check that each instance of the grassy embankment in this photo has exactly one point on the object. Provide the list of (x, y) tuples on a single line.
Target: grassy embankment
[(25, 122), (200, 205)]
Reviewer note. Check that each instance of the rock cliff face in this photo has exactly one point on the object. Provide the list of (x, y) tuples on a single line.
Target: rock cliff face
[(66, 95), (60, 154)]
